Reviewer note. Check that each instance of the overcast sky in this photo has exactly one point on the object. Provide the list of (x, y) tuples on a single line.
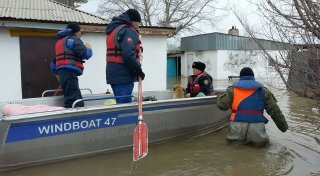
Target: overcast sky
[(223, 26)]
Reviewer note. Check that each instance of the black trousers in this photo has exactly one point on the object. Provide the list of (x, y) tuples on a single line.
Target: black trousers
[(70, 86)]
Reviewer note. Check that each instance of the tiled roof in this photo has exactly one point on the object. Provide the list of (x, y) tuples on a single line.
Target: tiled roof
[(45, 10)]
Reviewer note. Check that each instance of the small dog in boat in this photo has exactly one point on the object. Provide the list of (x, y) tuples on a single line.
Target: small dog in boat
[(178, 91)]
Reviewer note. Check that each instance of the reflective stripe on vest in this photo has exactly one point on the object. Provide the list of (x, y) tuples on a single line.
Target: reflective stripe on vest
[(114, 51), (139, 51), (65, 56)]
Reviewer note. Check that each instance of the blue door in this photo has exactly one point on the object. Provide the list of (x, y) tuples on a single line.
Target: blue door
[(171, 67)]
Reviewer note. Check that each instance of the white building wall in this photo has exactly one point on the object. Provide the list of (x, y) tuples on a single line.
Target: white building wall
[(10, 72), (184, 64), (207, 57), (94, 75), (154, 65), (210, 59), (224, 63), (230, 63)]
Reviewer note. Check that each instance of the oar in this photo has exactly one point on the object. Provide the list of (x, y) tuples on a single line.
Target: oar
[(56, 93), (140, 135)]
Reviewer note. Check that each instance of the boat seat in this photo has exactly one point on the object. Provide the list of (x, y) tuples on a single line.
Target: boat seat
[(17, 109)]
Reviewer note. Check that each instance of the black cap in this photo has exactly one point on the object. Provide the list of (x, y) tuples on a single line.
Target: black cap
[(199, 65), (246, 71), (74, 27), (134, 15)]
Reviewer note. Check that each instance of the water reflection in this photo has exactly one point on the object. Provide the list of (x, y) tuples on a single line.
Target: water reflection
[(300, 142), (296, 152)]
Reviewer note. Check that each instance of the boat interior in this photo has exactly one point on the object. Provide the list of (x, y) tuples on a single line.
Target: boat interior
[(48, 102)]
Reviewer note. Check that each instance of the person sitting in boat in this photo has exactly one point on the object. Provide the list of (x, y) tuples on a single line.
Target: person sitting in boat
[(247, 99), (200, 83), (71, 53)]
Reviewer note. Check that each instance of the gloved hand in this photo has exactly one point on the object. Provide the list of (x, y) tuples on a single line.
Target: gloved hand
[(141, 75), (53, 67), (88, 45)]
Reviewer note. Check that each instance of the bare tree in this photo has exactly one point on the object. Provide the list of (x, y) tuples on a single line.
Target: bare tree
[(181, 14), (296, 23)]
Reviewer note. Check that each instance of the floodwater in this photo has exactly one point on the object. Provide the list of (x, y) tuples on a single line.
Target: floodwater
[(296, 152)]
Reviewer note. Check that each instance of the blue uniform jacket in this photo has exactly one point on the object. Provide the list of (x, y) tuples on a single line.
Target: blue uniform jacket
[(127, 72)]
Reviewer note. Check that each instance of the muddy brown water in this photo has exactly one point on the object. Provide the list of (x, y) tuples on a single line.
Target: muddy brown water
[(296, 152)]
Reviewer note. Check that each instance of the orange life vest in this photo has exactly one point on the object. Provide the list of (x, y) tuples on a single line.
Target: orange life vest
[(65, 56), (194, 85), (248, 102), (114, 51)]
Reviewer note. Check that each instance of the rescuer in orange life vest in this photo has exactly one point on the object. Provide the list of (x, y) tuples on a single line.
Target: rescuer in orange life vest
[(248, 99), (123, 51), (71, 53), (200, 83)]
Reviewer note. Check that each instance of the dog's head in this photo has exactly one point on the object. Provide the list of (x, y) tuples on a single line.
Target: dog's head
[(178, 87)]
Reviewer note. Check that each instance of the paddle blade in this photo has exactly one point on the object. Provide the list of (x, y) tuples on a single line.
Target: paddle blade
[(140, 141)]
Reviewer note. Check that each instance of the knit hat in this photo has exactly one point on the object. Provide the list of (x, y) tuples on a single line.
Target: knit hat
[(74, 27), (134, 15), (246, 71), (199, 65)]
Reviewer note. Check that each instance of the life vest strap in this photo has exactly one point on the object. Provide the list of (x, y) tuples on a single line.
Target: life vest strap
[(69, 58), (113, 49), (64, 54), (247, 111), (113, 54)]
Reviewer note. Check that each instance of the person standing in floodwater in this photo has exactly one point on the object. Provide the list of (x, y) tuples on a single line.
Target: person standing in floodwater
[(247, 99)]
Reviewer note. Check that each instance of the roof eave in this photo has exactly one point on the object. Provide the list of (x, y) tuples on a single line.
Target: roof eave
[(95, 28), (156, 31)]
